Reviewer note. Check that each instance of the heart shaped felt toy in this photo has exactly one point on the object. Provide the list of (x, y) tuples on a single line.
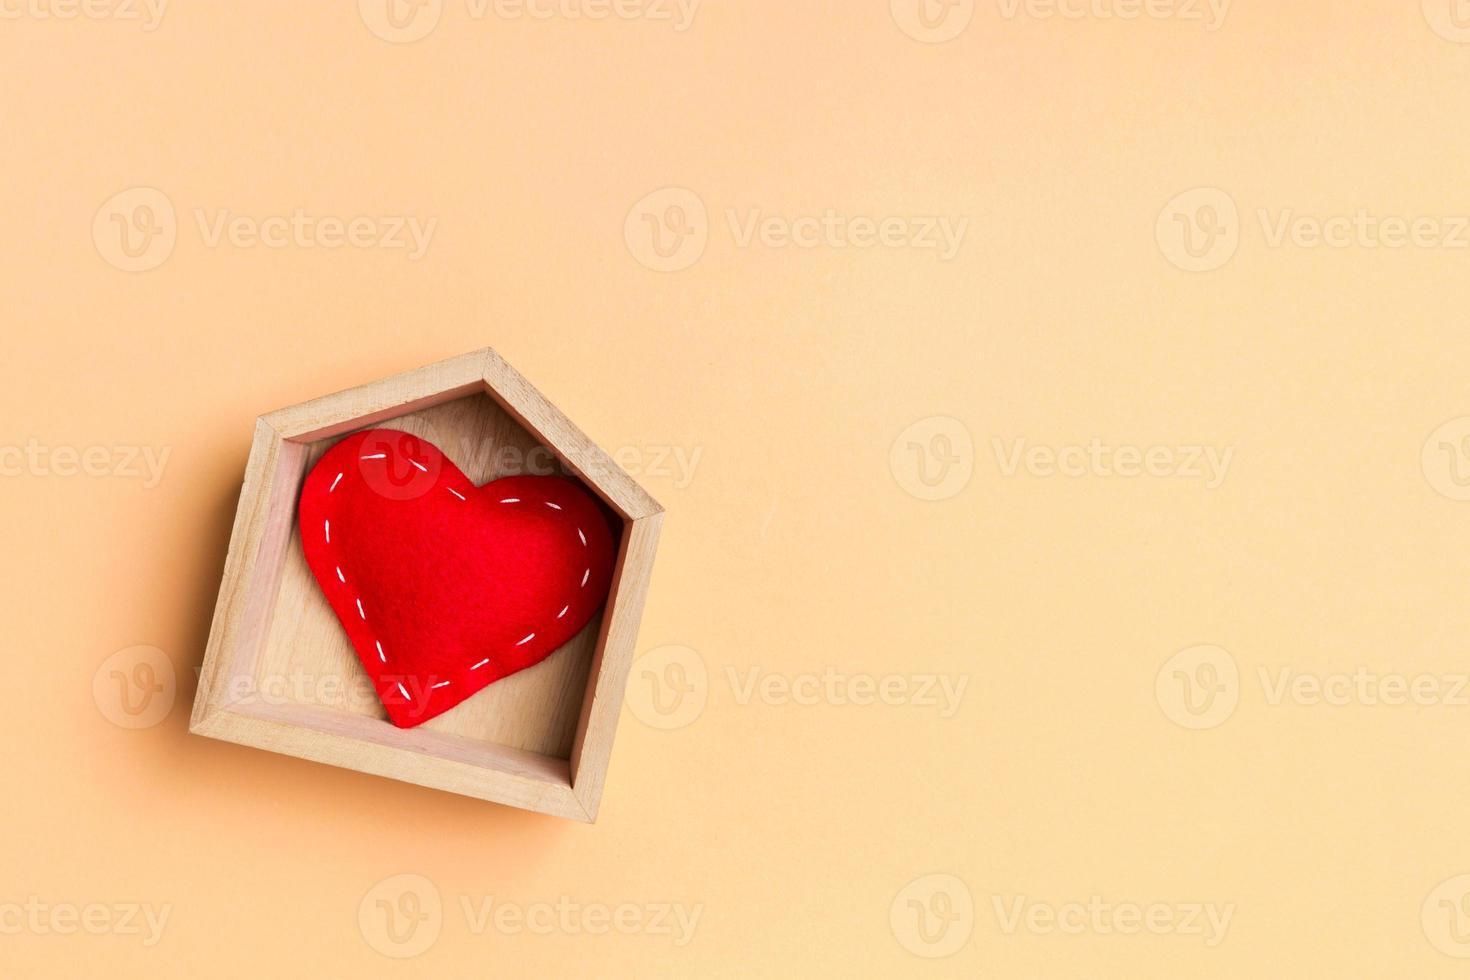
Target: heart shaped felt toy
[(445, 587)]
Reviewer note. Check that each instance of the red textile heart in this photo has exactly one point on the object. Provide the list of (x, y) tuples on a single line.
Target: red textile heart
[(444, 587)]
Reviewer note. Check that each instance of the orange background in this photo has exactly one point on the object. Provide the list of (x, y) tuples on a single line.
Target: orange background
[(800, 542)]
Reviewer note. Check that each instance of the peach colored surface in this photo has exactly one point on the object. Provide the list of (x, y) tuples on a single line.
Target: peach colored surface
[(1061, 409)]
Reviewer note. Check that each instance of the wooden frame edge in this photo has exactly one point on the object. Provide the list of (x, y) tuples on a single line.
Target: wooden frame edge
[(399, 394), (408, 391), (245, 535), (608, 679), (553, 797), (590, 462), (483, 370)]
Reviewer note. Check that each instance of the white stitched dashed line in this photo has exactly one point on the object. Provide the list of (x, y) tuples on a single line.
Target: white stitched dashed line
[(585, 574), (526, 640), (404, 691), (582, 536), (376, 456), (381, 655), (335, 482), (421, 466), (553, 506), (360, 612), (511, 500), (327, 526), (480, 664), (436, 687), (563, 612), (340, 577), (455, 492)]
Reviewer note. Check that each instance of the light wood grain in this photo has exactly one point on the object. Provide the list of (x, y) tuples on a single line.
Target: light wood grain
[(613, 659), (496, 774), (280, 674), (369, 404), (253, 567)]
